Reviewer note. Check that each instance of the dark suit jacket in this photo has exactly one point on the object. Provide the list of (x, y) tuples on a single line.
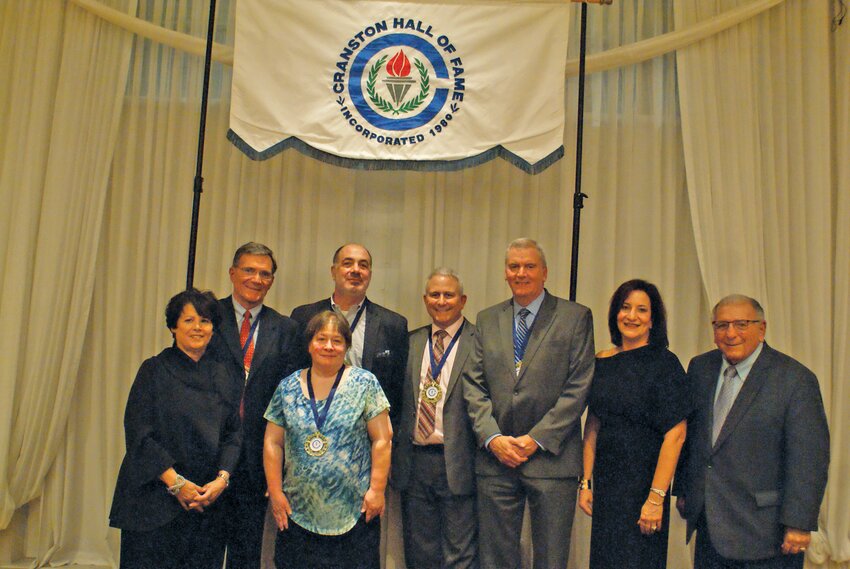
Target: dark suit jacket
[(459, 439), (768, 469), (384, 347), (275, 356), (548, 398)]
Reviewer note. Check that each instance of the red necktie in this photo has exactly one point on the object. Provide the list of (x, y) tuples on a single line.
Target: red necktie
[(249, 355)]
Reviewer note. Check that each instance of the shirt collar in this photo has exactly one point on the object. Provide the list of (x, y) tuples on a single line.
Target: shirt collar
[(744, 366), (240, 310), (353, 310), (533, 306), (451, 330)]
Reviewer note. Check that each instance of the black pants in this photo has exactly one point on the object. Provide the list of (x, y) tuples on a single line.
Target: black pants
[(244, 523), (192, 540), (297, 548)]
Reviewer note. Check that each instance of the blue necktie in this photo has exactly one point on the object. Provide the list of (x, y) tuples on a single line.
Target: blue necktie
[(724, 402), (521, 337)]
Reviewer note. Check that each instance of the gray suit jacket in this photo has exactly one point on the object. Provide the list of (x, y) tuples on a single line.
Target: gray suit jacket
[(457, 430), (768, 468), (548, 398)]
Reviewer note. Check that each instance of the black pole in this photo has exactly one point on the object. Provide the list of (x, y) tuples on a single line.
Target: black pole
[(578, 197), (199, 161)]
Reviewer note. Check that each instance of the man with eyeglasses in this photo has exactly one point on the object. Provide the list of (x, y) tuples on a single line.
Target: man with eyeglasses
[(757, 452), (259, 346)]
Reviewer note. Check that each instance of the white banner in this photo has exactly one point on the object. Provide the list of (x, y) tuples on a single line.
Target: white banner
[(370, 84)]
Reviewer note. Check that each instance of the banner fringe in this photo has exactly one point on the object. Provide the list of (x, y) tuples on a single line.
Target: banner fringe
[(413, 165)]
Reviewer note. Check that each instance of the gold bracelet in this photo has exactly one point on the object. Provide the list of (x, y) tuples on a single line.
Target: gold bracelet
[(585, 484)]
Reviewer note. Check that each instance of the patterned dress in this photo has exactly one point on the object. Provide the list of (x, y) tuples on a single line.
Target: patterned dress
[(326, 492)]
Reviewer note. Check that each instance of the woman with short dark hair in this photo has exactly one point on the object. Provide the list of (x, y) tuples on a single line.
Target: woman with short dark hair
[(634, 432), (183, 438), (332, 423)]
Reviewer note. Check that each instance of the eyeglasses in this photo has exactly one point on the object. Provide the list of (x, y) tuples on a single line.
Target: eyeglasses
[(251, 272), (740, 325)]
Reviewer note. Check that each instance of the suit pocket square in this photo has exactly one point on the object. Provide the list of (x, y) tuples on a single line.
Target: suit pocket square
[(767, 499), (384, 354)]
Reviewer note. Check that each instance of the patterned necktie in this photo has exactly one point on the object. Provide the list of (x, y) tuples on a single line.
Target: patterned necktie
[(521, 338), (427, 409), (249, 355), (724, 402), (243, 337)]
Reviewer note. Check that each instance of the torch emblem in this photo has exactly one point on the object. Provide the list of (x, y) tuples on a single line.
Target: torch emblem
[(398, 83)]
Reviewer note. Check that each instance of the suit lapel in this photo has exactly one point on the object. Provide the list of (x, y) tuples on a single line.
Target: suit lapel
[(506, 332), (462, 349), (542, 323), (417, 348), (230, 330), (753, 384), (373, 323), (266, 333)]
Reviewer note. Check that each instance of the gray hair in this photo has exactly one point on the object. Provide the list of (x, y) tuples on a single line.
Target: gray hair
[(738, 299), (252, 248), (444, 272), (525, 243)]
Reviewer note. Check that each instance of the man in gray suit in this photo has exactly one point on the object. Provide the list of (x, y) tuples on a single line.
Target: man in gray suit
[(526, 390), (434, 448), (757, 452)]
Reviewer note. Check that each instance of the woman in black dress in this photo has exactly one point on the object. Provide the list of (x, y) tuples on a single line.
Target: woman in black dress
[(183, 439), (633, 435)]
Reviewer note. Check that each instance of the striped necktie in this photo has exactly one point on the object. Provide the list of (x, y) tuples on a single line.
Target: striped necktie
[(521, 339)]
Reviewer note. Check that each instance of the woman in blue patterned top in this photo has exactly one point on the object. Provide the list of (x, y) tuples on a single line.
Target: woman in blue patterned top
[(332, 423)]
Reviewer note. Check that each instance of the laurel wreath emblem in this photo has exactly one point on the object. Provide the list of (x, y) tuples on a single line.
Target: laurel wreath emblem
[(406, 107)]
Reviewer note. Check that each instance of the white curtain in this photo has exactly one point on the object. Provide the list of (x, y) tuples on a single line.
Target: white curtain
[(131, 258), (757, 123), (66, 71)]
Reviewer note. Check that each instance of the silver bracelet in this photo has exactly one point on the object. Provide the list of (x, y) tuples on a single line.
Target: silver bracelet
[(661, 493), (179, 482)]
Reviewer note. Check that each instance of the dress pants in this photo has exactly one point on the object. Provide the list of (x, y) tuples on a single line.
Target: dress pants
[(245, 517), (501, 504), (706, 557), (439, 527)]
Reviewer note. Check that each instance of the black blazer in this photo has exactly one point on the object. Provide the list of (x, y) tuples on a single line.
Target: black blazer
[(384, 347), (457, 430), (182, 414), (768, 468), (275, 357)]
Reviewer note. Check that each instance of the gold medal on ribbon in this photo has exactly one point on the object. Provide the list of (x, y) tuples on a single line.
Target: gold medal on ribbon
[(316, 444), (432, 392)]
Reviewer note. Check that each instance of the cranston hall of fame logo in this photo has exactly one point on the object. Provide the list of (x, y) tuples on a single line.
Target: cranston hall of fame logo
[(397, 82)]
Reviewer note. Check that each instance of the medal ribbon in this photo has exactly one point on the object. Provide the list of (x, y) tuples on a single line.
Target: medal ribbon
[(357, 316), (251, 334), (436, 367), (320, 418)]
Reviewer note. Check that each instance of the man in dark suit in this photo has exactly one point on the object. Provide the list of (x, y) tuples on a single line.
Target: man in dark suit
[(756, 457), (259, 346), (434, 446), (526, 390), (379, 336)]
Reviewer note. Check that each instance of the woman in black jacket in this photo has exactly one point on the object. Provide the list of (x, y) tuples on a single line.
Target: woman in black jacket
[(183, 439)]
